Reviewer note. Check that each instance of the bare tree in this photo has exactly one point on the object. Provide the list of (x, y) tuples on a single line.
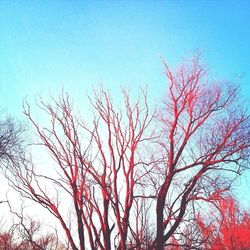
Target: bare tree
[(205, 136), (118, 153), (11, 143), (142, 235), (10, 140), (96, 167), (26, 234)]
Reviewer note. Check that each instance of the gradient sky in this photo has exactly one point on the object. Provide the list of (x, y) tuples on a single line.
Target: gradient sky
[(45, 45)]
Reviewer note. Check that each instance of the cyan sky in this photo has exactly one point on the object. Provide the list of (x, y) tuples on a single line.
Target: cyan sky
[(78, 44)]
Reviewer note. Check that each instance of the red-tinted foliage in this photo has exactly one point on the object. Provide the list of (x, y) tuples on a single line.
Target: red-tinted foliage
[(231, 228), (225, 227)]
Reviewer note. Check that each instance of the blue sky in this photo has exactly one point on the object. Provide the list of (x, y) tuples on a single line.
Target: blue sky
[(45, 45)]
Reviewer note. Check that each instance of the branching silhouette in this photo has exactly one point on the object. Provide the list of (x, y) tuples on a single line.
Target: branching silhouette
[(134, 178)]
